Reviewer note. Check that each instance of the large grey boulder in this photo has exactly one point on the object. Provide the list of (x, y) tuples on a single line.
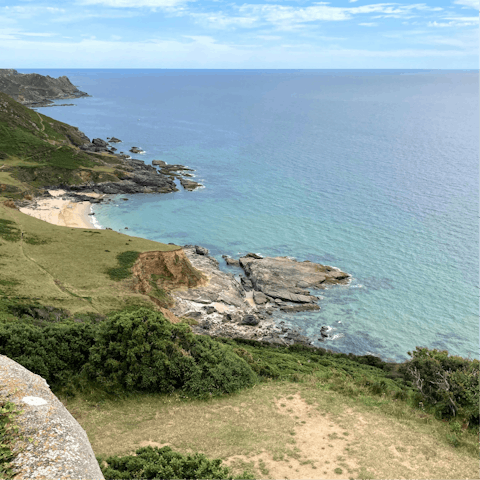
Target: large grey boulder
[(278, 275), (59, 447)]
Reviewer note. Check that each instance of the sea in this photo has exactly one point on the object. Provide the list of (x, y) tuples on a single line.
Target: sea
[(371, 171)]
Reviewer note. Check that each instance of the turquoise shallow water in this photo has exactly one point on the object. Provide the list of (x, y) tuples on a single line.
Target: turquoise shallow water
[(375, 172)]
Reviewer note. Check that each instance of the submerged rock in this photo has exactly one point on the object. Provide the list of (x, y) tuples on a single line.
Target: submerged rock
[(159, 163), (231, 261), (189, 184)]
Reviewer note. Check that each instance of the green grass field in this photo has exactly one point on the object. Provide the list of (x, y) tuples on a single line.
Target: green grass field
[(67, 267)]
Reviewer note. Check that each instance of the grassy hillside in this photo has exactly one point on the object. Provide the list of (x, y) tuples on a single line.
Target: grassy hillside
[(66, 268), (38, 151)]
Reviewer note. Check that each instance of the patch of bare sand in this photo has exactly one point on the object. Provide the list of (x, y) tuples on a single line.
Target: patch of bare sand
[(61, 212), (149, 443), (392, 449), (318, 450), (356, 444)]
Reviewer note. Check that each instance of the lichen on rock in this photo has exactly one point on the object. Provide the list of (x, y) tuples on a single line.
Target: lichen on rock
[(52, 444)]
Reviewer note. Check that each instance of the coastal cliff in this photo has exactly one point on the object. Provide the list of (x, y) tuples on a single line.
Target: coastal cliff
[(34, 90)]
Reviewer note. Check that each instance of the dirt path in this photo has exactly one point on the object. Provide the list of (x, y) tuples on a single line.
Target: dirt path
[(357, 444), (55, 283), (41, 122), (320, 447)]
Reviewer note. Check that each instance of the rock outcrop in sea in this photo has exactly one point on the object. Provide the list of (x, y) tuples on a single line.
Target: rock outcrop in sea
[(34, 90), (242, 307)]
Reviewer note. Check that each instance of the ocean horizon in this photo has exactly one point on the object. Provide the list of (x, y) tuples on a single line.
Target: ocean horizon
[(371, 171)]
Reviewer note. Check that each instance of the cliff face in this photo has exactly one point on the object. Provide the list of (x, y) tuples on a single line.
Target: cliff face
[(59, 447), (36, 90), (154, 271)]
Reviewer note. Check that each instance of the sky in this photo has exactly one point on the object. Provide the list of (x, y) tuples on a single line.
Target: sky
[(300, 34)]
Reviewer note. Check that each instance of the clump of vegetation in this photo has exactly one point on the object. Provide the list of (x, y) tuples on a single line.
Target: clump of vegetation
[(36, 240), (154, 462), (8, 436), (126, 261), (449, 383), (141, 350), (57, 352), (134, 350), (352, 375), (8, 231)]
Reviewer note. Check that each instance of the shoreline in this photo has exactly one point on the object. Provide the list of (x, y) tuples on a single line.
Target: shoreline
[(62, 211)]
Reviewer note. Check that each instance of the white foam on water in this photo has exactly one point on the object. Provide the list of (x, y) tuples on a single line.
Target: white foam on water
[(93, 219)]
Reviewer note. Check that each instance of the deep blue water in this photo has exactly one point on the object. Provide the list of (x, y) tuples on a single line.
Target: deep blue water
[(375, 172)]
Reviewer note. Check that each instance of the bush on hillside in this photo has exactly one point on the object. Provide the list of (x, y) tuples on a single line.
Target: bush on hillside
[(141, 350), (164, 463), (449, 383), (55, 351)]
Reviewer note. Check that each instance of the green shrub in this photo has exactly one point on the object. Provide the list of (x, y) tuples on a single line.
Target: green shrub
[(141, 350), (125, 263), (8, 436), (297, 362), (55, 352), (448, 383), (217, 369), (8, 231), (164, 463)]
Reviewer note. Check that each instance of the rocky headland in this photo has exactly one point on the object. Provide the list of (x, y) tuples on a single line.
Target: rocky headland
[(244, 306), (34, 90), (135, 175)]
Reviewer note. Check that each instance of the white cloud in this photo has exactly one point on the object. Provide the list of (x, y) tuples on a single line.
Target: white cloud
[(468, 3), (16, 33), (29, 11), (292, 18), (269, 37), (221, 21), (205, 52), (369, 24), (134, 3), (456, 22), (279, 14)]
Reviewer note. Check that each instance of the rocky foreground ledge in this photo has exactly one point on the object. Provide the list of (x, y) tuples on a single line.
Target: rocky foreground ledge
[(52, 445), (243, 307)]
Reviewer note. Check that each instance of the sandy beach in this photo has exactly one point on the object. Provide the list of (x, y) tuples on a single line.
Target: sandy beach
[(62, 212)]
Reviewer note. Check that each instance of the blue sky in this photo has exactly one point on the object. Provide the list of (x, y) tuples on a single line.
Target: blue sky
[(244, 34)]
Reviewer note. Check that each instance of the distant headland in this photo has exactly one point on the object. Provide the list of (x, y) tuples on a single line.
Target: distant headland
[(35, 90)]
